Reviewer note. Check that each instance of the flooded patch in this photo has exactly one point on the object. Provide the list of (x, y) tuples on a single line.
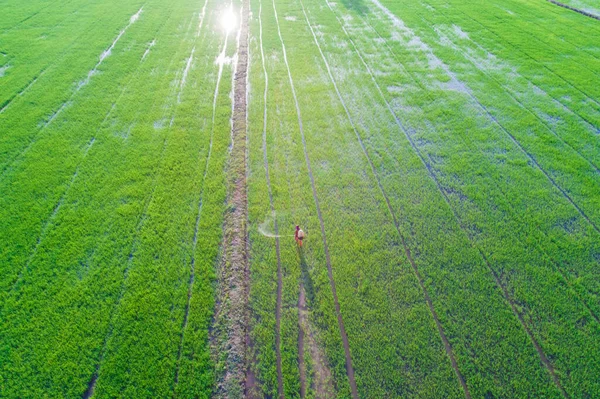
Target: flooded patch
[(159, 124), (459, 32), (106, 53), (3, 69), (223, 60), (150, 45), (186, 70), (135, 16)]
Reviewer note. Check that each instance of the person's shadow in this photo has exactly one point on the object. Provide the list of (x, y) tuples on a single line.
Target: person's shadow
[(356, 5), (309, 287)]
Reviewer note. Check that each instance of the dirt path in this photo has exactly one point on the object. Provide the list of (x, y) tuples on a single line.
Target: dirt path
[(587, 14), (231, 340)]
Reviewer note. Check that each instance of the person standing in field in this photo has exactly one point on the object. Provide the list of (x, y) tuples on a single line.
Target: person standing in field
[(299, 235)]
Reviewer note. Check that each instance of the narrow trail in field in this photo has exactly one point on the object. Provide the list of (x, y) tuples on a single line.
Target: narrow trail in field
[(498, 281), (276, 227), (322, 383), (106, 53), (446, 342), (592, 312), (509, 134), (582, 12), (194, 239), (344, 336), (302, 319), (512, 95)]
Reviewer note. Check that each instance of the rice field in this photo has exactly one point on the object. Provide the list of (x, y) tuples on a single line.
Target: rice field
[(442, 157)]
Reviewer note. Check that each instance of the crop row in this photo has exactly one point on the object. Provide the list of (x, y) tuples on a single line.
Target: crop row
[(483, 192), (106, 289), (487, 247)]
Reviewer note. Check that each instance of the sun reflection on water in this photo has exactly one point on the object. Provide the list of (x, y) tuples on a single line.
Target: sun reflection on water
[(228, 20)]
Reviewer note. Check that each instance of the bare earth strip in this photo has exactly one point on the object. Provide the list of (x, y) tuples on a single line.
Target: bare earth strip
[(323, 379), (343, 335), (232, 312), (280, 393)]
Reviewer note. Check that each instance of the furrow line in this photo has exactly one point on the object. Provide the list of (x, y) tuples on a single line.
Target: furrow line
[(81, 84), (587, 14), (277, 245), (499, 283), (541, 64), (344, 336), (445, 341), (89, 392), (574, 29), (57, 207), (22, 91)]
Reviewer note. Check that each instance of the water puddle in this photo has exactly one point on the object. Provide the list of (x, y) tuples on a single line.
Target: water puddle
[(3, 70), (150, 45)]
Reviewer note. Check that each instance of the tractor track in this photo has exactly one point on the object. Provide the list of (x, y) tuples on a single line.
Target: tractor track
[(568, 280), (276, 227), (445, 341), (343, 334), (544, 359), (23, 91), (541, 64), (587, 14), (47, 223), (58, 205)]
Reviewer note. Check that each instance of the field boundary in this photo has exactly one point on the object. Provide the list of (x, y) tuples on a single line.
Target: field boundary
[(231, 323), (587, 14)]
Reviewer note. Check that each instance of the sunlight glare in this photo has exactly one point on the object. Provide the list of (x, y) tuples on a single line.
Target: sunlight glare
[(228, 20)]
